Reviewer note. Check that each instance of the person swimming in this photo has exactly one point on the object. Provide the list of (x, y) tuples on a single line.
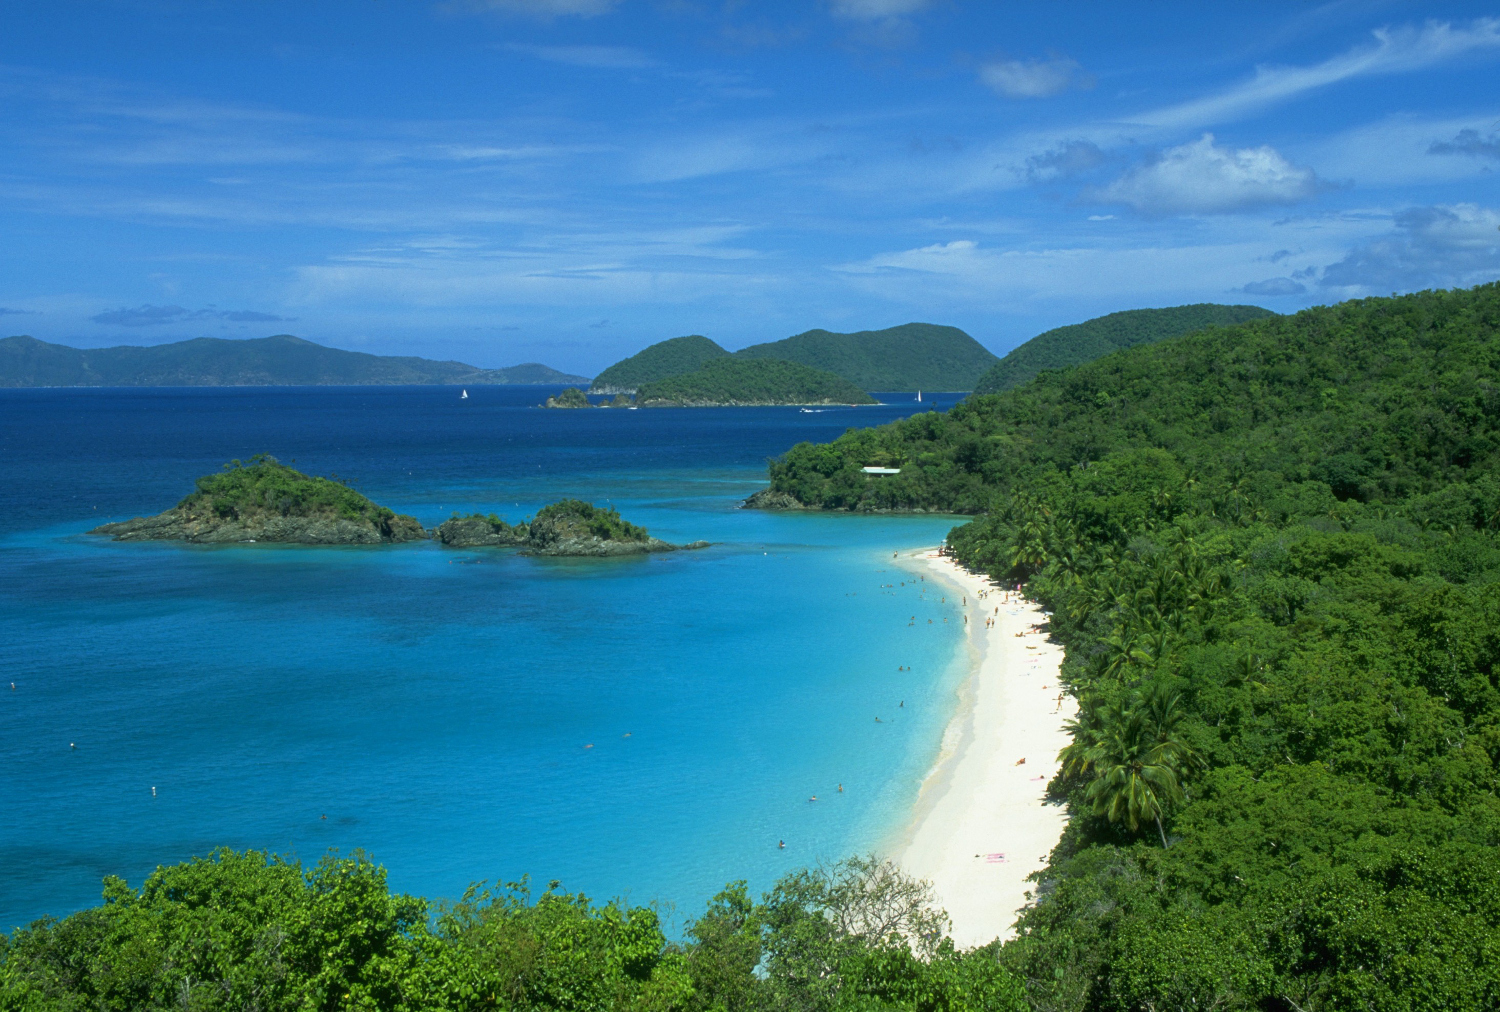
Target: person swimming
[(781, 845)]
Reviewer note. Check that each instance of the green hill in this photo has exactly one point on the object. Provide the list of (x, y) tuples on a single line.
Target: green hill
[(735, 382), (282, 360), (1272, 555), (913, 356), (664, 358), (1084, 342)]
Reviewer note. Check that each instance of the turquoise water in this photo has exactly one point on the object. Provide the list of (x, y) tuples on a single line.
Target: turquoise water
[(437, 708)]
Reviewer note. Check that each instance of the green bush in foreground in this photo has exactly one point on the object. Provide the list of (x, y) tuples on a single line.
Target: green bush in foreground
[(247, 931)]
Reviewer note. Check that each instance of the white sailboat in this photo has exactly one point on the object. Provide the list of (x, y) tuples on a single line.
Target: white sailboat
[(464, 396), (919, 397)]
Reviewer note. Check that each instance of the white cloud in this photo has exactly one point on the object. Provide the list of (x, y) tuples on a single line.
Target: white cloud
[(1441, 246), (1031, 78), (875, 10), (1396, 50), (1200, 178), (605, 57)]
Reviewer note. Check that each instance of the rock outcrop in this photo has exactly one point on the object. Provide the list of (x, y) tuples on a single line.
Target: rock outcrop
[(264, 500), (211, 529), (773, 499), (568, 528), (478, 531)]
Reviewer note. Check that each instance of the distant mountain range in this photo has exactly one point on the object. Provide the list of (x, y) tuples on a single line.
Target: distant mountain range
[(913, 356), (1084, 342), (283, 360)]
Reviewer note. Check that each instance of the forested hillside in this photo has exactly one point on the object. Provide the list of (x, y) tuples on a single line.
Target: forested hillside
[(1084, 342), (282, 360), (724, 382), (672, 357), (913, 356), (1273, 554)]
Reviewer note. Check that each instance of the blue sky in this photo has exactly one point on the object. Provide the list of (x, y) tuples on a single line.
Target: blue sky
[(568, 180)]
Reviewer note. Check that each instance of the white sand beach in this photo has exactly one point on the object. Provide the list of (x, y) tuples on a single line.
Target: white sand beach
[(981, 826)]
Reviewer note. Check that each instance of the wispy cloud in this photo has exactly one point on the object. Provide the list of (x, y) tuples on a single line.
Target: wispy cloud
[(1068, 159), (542, 8), (7, 311), (875, 10), (1273, 288), (603, 57), (158, 316), (1395, 50), (1033, 78), (1203, 178), (1468, 142)]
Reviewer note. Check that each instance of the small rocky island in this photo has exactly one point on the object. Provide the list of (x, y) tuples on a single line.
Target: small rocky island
[(570, 527), (264, 500), (573, 397)]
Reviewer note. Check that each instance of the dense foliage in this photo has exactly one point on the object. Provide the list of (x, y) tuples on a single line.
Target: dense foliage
[(1084, 342), (572, 397), (604, 524), (1273, 555), (282, 360), (913, 356), (665, 358), (264, 485), (1376, 398), (728, 381), (244, 931)]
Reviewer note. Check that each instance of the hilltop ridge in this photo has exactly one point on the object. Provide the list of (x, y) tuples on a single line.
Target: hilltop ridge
[(672, 357), (1083, 342), (913, 356), (281, 360)]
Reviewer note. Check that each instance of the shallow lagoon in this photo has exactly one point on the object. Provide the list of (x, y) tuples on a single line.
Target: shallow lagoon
[(437, 705)]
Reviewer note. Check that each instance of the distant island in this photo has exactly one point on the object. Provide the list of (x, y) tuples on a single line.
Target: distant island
[(264, 500), (282, 360), (1084, 342), (672, 357), (571, 527), (737, 382), (913, 356)]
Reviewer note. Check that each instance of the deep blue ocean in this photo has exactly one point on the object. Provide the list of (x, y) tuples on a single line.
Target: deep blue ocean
[(647, 728)]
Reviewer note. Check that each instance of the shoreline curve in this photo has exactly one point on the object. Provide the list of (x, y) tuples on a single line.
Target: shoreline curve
[(981, 825)]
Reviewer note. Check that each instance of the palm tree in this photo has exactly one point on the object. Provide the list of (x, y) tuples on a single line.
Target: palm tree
[(1137, 759)]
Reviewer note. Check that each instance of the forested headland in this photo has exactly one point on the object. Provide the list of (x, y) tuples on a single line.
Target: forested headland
[(1083, 342), (1273, 554)]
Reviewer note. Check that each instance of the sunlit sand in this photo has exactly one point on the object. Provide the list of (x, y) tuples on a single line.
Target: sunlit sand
[(981, 824)]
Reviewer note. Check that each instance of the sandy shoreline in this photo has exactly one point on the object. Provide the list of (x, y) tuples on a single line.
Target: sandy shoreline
[(980, 825)]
